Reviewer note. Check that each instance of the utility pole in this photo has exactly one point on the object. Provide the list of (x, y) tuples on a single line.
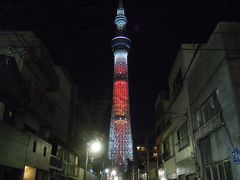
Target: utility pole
[(156, 172), (86, 164), (147, 160)]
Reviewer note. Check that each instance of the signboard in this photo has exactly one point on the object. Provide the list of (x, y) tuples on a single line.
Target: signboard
[(236, 156)]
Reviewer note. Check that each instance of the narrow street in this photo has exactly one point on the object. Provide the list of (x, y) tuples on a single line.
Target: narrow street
[(119, 90)]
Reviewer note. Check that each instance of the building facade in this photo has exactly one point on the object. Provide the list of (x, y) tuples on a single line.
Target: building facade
[(37, 113), (214, 100), (27, 77), (198, 127), (175, 147)]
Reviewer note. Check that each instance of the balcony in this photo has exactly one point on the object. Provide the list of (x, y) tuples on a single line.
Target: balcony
[(183, 142), (166, 156), (56, 163), (161, 129), (208, 127), (160, 160)]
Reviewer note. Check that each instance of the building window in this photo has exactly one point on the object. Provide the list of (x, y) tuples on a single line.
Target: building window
[(206, 112), (8, 115), (45, 151), (177, 83), (210, 108), (181, 177), (60, 152), (207, 117), (208, 173), (219, 171), (160, 155), (182, 136), (228, 170), (166, 149), (191, 177), (215, 172), (199, 118), (34, 146), (141, 149)]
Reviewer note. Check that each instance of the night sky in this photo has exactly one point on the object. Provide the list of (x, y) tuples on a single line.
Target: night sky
[(77, 35)]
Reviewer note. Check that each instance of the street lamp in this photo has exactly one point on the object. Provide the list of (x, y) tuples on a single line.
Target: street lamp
[(95, 146), (106, 170), (92, 147), (114, 172), (113, 175)]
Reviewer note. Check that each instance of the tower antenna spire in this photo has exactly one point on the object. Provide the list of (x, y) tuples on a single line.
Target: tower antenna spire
[(120, 4)]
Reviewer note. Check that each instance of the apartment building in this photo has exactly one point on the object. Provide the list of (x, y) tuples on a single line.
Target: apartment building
[(198, 126), (37, 108), (175, 147), (213, 87)]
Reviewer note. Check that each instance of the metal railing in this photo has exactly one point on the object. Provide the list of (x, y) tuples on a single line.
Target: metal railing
[(56, 163), (166, 155), (209, 126), (183, 142)]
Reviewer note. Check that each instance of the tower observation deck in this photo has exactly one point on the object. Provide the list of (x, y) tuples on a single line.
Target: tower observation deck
[(120, 138)]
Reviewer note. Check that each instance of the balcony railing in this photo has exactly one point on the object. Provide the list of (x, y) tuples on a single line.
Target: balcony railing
[(160, 159), (183, 142), (162, 127), (56, 163), (165, 156), (209, 126)]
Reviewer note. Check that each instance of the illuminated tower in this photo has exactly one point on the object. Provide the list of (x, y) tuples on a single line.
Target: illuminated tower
[(120, 138)]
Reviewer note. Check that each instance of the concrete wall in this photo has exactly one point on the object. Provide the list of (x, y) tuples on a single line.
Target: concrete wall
[(62, 98), (48, 109), (13, 146), (38, 159), (90, 176), (182, 62), (212, 73)]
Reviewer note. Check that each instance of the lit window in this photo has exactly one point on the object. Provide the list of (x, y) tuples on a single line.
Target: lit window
[(142, 148)]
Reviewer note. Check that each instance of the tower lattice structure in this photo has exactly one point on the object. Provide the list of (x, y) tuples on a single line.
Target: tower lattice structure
[(120, 138)]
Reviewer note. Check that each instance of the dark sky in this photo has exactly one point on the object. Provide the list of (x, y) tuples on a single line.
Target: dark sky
[(78, 34)]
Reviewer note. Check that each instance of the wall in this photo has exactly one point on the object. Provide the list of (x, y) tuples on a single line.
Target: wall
[(13, 146), (212, 73), (37, 159), (181, 161)]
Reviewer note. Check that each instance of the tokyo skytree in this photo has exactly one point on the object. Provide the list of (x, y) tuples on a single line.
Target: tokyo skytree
[(120, 137)]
